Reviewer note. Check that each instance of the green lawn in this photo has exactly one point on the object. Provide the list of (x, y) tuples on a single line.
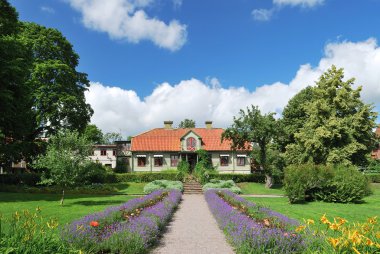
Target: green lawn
[(129, 188), (259, 188), (314, 210)]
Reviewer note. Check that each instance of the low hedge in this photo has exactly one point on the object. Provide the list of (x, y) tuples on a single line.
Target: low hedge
[(142, 177), (29, 179), (238, 178), (373, 178)]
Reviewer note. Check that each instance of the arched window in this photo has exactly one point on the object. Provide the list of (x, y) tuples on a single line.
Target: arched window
[(191, 144)]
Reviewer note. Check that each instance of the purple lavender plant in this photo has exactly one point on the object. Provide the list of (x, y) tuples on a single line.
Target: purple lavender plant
[(246, 234), (115, 233)]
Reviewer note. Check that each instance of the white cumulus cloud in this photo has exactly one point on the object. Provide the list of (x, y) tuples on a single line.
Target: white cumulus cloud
[(302, 3), (126, 19), (262, 14), (124, 111)]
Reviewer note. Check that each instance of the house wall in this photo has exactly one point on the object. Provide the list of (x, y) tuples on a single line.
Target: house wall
[(149, 166), (232, 163), (215, 158), (108, 159)]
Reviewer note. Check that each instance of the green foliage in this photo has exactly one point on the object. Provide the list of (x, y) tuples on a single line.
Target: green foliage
[(141, 177), (327, 183), (294, 117), (121, 165), (93, 134), (66, 160), (162, 185), (338, 125), (111, 137), (57, 88), (183, 168), (204, 167), (238, 178), (375, 178), (253, 126), (92, 173), (221, 184), (187, 123), (28, 179), (347, 185), (29, 233)]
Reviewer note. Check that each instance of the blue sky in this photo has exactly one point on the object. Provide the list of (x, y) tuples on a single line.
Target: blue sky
[(218, 56)]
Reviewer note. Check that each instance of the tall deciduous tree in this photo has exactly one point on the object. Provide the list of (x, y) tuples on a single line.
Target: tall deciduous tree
[(187, 123), (338, 126), (93, 134), (253, 126), (293, 117), (57, 87), (111, 137), (15, 104)]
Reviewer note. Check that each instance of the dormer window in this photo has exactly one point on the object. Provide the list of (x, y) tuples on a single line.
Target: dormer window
[(191, 144)]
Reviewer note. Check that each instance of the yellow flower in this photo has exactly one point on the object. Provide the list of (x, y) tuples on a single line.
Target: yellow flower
[(52, 224), (334, 242), (324, 220), (378, 234), (372, 220), (341, 221), (334, 226), (355, 250), (38, 209), (310, 221), (300, 228)]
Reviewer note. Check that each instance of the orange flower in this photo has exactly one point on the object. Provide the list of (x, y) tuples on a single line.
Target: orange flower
[(310, 221), (94, 224), (324, 220), (372, 220), (334, 226)]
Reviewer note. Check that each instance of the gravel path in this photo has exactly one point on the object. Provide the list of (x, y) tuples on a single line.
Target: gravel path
[(193, 230)]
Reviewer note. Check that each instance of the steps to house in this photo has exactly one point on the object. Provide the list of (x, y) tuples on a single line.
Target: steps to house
[(192, 187)]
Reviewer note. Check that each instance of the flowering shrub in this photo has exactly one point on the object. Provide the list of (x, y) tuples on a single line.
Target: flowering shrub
[(129, 228), (253, 229), (344, 237), (222, 184), (29, 232)]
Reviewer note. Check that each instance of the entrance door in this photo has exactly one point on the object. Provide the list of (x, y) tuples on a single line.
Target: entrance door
[(191, 158)]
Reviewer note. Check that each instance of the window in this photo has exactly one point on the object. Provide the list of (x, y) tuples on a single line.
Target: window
[(158, 161), (103, 152), (240, 161), (223, 160), (191, 143), (174, 160), (141, 161), (108, 165), (114, 152)]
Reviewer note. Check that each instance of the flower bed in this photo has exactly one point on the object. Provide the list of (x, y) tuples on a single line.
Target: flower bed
[(253, 229), (130, 228)]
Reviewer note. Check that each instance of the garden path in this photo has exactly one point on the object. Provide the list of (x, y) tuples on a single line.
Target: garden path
[(193, 230)]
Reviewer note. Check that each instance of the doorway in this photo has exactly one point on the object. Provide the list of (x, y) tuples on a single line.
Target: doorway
[(191, 158)]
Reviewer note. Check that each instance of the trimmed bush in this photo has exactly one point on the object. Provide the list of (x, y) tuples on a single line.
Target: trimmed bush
[(143, 177), (163, 185), (30, 179), (239, 178), (221, 184), (327, 183), (374, 178)]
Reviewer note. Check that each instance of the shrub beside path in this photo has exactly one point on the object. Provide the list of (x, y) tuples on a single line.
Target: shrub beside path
[(193, 230)]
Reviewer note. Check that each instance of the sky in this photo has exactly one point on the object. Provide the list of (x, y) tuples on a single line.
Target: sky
[(155, 60)]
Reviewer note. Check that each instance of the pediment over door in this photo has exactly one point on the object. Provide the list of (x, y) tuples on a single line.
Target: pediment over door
[(191, 142)]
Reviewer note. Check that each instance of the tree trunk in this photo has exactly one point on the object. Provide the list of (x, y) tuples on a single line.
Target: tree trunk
[(63, 197), (268, 181)]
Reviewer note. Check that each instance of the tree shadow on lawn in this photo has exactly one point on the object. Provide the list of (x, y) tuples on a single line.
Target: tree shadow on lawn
[(96, 203), (28, 197)]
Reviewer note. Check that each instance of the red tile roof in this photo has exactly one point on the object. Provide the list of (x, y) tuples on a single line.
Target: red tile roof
[(162, 139)]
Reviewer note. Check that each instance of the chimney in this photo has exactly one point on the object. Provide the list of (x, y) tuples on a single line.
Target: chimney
[(208, 124), (168, 125)]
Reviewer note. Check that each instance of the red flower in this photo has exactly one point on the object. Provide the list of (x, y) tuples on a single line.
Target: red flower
[(94, 224)]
